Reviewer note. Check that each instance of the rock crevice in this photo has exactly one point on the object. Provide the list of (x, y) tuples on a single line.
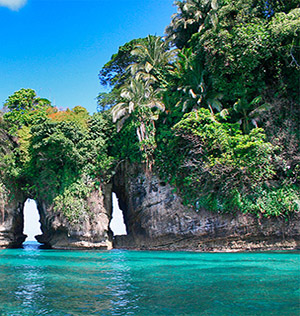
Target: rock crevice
[(90, 230)]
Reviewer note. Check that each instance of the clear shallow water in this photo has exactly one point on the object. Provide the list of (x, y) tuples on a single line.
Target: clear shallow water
[(51, 282)]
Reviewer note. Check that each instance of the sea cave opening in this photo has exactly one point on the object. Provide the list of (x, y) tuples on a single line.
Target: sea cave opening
[(117, 223), (32, 226)]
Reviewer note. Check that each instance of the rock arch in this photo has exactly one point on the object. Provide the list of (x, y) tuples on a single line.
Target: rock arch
[(88, 231), (157, 219), (154, 216)]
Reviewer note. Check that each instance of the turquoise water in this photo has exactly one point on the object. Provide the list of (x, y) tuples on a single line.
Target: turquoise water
[(52, 282)]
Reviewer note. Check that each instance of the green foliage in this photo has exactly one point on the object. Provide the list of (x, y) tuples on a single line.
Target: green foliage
[(140, 96), (73, 200), (218, 117), (11, 165), (25, 100), (154, 60), (216, 167), (67, 150), (282, 122), (250, 50), (276, 201), (69, 161), (192, 84), (125, 143), (114, 73), (78, 114), (106, 100), (55, 156), (24, 109), (192, 16), (234, 59)]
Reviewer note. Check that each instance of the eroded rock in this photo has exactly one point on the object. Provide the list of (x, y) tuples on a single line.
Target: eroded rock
[(90, 230), (157, 219), (11, 219)]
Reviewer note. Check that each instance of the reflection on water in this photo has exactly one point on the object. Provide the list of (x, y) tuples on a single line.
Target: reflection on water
[(31, 288), (32, 245), (124, 299), (51, 282)]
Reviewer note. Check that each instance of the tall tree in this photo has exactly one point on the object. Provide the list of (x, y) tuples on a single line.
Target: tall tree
[(192, 17), (154, 60), (24, 107), (192, 84), (143, 103), (114, 72)]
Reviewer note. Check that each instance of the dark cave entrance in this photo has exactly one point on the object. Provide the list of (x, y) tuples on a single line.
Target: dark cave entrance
[(117, 223), (32, 225)]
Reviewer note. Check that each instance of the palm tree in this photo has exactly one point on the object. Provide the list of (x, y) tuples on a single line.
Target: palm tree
[(192, 17), (192, 84), (142, 102), (155, 59), (249, 112), (138, 97), (23, 107)]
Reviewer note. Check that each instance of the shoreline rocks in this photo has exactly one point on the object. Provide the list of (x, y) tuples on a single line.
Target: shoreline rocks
[(194, 244), (157, 219)]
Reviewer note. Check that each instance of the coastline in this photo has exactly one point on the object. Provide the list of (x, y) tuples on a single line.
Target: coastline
[(193, 244), (219, 244)]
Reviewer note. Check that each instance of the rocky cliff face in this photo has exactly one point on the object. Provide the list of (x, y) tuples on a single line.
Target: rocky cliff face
[(156, 219), (11, 219), (11, 200), (90, 230)]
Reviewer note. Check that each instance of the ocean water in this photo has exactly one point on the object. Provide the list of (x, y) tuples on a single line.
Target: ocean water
[(51, 282)]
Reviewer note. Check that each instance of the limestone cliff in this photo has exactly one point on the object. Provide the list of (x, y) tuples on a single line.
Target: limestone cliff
[(11, 197), (90, 230), (11, 219), (156, 219)]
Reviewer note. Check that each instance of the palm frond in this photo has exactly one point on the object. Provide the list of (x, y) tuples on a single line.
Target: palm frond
[(118, 111)]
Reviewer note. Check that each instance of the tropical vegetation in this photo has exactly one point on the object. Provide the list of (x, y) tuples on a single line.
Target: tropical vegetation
[(213, 108)]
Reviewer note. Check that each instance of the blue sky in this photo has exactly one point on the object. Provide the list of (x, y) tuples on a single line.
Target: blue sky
[(57, 47)]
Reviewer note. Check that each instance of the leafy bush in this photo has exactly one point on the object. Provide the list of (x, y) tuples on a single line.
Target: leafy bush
[(72, 201), (276, 201), (221, 169)]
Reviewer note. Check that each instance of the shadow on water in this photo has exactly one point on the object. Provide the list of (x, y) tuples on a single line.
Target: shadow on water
[(33, 245)]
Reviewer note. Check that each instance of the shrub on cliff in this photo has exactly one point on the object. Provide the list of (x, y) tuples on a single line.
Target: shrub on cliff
[(55, 156), (222, 169), (68, 160)]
